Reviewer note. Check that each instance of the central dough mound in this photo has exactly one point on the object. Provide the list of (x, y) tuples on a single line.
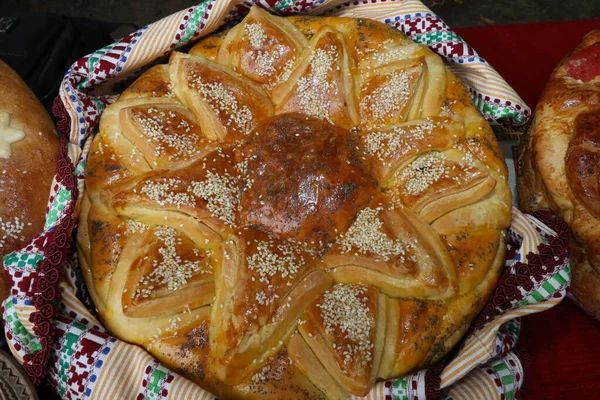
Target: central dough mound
[(305, 179)]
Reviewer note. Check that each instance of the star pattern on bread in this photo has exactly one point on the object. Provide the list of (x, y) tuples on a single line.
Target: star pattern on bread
[(304, 194)]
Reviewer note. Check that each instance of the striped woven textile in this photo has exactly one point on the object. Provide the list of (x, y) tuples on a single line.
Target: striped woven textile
[(88, 363), (73, 351)]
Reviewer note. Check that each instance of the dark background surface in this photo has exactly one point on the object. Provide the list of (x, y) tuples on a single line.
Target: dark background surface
[(456, 13)]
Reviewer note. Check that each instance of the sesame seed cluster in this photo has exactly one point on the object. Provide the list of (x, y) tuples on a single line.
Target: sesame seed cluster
[(385, 144), (168, 269), (219, 175), (164, 128), (11, 229), (344, 309), (423, 172), (264, 59), (388, 97), (274, 266), (286, 262), (223, 100), (367, 236), (313, 89)]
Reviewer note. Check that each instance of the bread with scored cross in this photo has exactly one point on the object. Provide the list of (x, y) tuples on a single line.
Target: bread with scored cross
[(28, 153), (559, 164), (296, 208)]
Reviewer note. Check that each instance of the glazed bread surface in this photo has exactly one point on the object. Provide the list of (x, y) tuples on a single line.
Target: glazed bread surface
[(296, 208), (28, 153)]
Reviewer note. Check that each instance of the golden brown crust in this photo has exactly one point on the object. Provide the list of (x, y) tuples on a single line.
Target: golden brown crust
[(328, 273), (330, 185), (413, 326), (415, 265), (155, 84), (583, 160), (28, 154), (345, 328), (559, 162), (321, 84), (262, 47), (229, 104)]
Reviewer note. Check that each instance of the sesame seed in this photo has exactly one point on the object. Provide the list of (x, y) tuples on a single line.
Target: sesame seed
[(387, 98), (265, 61), (11, 229), (133, 226), (389, 55), (314, 90), (173, 325), (169, 269), (345, 309), (218, 190), (425, 170), (223, 101), (168, 131), (429, 167), (221, 194), (261, 298), (445, 111), (262, 376), (368, 237), (256, 34), (285, 74), (168, 191), (270, 259), (386, 144)]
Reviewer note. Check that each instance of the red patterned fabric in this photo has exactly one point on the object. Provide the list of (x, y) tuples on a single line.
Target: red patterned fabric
[(561, 344), (507, 293), (63, 122), (56, 247)]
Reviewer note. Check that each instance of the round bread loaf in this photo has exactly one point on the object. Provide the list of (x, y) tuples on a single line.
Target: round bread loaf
[(295, 209), (559, 166), (28, 154)]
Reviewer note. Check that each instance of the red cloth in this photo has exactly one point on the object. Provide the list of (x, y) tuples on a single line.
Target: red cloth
[(526, 54), (563, 343)]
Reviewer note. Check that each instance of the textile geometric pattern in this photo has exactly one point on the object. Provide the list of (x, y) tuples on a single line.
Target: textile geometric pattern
[(407, 388), (79, 117), (34, 289), (546, 274), (514, 285), (496, 379), (57, 205), (20, 338), (507, 336), (21, 307)]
